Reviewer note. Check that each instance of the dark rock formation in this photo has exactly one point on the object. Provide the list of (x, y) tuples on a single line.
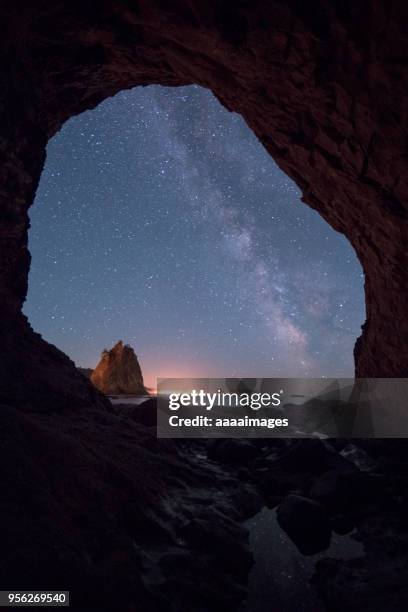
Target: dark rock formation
[(144, 413), (231, 452), (86, 371), (93, 501), (311, 457), (118, 372), (340, 491), (367, 493), (306, 523), (36, 376)]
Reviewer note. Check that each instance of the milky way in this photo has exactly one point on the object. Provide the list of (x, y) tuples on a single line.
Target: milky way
[(161, 220)]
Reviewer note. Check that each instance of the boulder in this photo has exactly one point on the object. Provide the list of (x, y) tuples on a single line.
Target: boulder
[(306, 523), (346, 491), (87, 372), (232, 451), (313, 457), (146, 413)]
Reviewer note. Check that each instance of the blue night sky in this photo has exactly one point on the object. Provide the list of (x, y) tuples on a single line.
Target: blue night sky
[(161, 220)]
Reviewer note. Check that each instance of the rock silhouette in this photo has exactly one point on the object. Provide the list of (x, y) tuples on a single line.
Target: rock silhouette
[(86, 371), (306, 523), (118, 372)]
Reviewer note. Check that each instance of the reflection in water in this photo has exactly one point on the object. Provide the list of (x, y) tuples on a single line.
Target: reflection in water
[(279, 579)]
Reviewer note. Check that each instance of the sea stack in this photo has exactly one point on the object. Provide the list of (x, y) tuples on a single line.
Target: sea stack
[(118, 372)]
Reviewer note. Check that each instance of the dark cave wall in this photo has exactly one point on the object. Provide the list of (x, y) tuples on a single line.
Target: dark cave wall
[(323, 85)]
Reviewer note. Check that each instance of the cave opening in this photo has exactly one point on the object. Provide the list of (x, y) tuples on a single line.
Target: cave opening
[(101, 505), (161, 219)]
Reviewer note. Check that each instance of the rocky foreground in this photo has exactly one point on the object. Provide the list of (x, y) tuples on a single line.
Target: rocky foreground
[(93, 502)]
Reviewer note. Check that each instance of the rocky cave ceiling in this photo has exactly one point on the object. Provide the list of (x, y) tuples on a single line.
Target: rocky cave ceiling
[(324, 88)]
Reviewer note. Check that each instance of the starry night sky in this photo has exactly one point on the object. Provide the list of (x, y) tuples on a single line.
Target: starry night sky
[(161, 220)]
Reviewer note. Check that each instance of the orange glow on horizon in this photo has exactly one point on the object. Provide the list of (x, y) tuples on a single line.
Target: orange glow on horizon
[(150, 375)]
